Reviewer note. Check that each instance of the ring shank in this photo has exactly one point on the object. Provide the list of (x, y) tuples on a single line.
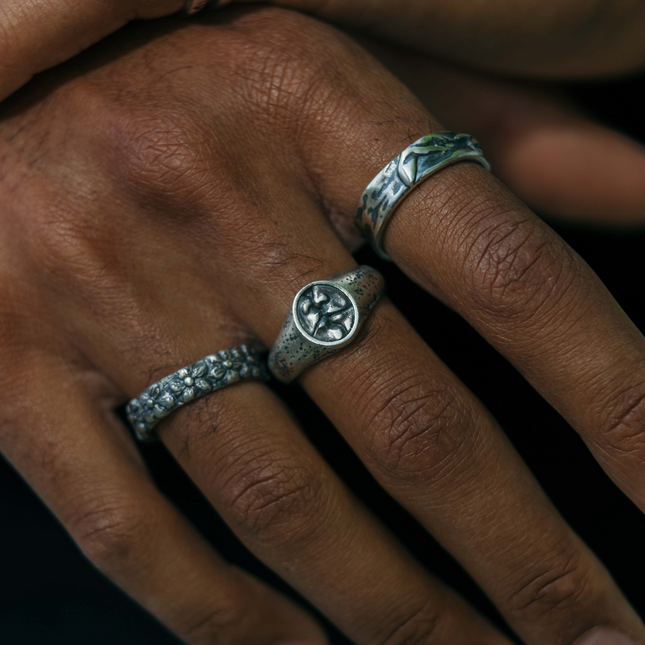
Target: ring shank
[(403, 174), (212, 373)]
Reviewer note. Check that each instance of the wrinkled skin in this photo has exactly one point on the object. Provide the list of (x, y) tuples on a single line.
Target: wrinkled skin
[(165, 197)]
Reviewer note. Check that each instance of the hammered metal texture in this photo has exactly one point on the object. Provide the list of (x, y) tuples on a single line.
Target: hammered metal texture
[(325, 316), (189, 383)]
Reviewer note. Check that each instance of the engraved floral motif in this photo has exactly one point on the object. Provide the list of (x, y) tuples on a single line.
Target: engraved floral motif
[(326, 313), (188, 383)]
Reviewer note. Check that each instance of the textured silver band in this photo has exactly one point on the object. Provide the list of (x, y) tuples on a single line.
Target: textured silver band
[(325, 316), (195, 6), (189, 383), (416, 163)]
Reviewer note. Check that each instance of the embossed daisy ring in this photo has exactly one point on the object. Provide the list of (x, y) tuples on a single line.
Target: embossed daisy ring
[(326, 315), (417, 162), (212, 373)]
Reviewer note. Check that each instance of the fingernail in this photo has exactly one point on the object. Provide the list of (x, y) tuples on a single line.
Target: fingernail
[(604, 636)]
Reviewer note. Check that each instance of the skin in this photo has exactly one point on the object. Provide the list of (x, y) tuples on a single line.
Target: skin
[(555, 39), (202, 163)]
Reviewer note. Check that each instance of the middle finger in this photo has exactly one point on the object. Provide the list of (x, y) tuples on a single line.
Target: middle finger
[(435, 448), (244, 451)]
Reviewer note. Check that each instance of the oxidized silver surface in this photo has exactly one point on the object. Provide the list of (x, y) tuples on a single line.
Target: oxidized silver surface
[(417, 162), (194, 6), (325, 316), (326, 313), (189, 383)]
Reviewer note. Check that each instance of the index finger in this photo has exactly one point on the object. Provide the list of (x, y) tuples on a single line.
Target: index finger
[(38, 34)]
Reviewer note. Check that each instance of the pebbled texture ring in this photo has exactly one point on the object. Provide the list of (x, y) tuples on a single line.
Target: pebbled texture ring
[(325, 316)]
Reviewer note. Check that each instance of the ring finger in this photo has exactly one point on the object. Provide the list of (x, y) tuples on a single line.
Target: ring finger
[(437, 450), (58, 430), (244, 450)]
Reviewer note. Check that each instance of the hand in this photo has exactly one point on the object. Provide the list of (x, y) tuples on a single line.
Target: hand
[(557, 38), (561, 38), (208, 172)]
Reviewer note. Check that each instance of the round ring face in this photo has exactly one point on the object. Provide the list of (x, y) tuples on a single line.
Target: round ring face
[(325, 313)]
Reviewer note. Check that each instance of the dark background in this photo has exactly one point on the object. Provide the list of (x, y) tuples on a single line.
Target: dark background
[(50, 594)]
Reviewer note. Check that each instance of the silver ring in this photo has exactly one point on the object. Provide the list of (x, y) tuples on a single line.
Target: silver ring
[(417, 162), (189, 383), (195, 6), (325, 316)]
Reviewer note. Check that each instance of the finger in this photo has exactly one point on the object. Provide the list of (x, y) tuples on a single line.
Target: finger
[(571, 39), (256, 256), (250, 459), (38, 34), (555, 159), (538, 302), (465, 238), (59, 431), (433, 446), (274, 490)]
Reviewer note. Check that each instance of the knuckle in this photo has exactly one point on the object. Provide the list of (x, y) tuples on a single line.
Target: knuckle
[(146, 143), (273, 498), (225, 623), (279, 84), (114, 534), (415, 626), (289, 72), (516, 266), (622, 420), (419, 428), (158, 153), (551, 588)]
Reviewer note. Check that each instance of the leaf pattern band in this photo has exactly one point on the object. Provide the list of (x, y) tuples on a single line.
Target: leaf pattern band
[(417, 162)]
